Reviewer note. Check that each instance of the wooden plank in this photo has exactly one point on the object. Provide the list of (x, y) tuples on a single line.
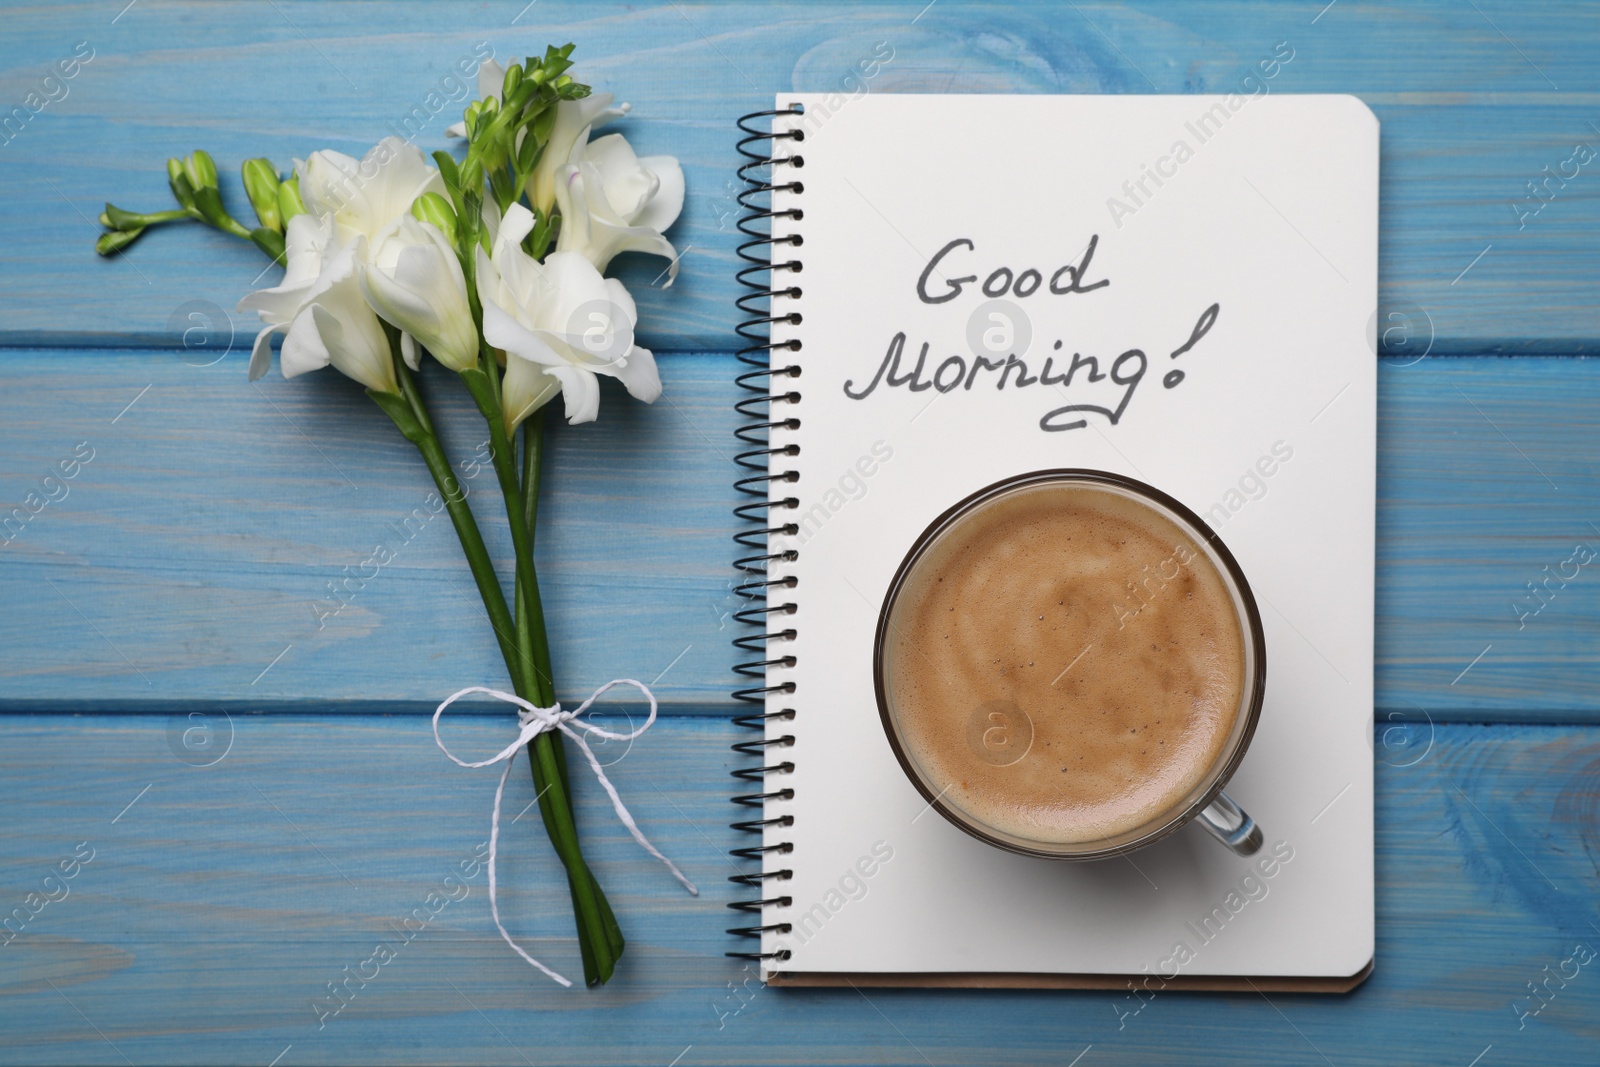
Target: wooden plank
[(1471, 116), (189, 562), (1485, 479), (221, 901), (219, 546)]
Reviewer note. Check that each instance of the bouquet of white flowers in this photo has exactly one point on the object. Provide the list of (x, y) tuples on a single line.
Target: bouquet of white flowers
[(388, 257)]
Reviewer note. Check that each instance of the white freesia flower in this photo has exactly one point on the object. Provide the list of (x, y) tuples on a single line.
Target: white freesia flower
[(333, 325), (612, 201), (348, 205), (574, 120), (562, 325), (306, 242), (413, 279), (365, 198)]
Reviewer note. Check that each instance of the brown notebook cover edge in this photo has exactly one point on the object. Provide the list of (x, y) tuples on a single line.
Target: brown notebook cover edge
[(1200, 983)]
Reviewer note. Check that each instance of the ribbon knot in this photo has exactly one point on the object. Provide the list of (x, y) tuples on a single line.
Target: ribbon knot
[(533, 721)]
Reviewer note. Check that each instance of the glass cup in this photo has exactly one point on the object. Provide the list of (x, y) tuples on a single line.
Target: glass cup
[(1206, 803)]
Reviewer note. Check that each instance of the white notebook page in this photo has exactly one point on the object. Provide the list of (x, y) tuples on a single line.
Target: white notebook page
[(1266, 207)]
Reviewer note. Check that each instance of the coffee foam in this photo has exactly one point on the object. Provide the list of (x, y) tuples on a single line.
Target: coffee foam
[(1066, 663)]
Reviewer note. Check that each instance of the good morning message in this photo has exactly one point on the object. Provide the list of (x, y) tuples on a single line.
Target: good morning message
[(1070, 374)]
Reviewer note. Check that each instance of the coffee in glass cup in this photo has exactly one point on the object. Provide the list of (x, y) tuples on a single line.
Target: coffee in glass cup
[(1070, 664)]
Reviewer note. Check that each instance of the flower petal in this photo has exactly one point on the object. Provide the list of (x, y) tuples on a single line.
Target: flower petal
[(574, 119), (618, 240), (581, 390), (326, 178), (501, 330), (619, 295), (305, 250), (665, 207), (491, 79), (639, 375), (395, 173), (303, 349), (526, 388), (413, 280), (261, 352), (591, 228), (516, 224), (627, 186), (352, 348)]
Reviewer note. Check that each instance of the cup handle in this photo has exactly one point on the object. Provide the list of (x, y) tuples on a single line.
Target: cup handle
[(1230, 824)]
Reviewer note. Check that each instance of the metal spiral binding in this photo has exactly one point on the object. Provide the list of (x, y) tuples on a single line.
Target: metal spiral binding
[(759, 479)]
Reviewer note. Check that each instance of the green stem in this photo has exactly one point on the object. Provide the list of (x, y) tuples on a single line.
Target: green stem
[(532, 464), (411, 416), (549, 775), (599, 936), (538, 242), (155, 217), (532, 469), (595, 920), (531, 607)]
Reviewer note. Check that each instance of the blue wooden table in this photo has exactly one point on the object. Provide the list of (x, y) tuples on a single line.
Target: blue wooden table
[(244, 785)]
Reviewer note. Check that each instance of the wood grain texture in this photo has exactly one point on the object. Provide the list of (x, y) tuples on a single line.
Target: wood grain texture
[(172, 592), (219, 905), (195, 550), (1471, 115), (219, 545)]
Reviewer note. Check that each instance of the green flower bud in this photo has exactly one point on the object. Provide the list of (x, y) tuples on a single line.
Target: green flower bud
[(448, 170), (201, 171), (513, 79), (182, 189), (270, 242), (528, 153), (261, 185), (289, 202), (114, 218), (436, 210), (208, 200), (113, 241)]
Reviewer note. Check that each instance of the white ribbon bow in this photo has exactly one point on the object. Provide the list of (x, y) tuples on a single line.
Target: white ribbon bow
[(535, 721)]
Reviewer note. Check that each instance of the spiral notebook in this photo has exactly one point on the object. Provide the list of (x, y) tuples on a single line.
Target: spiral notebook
[(949, 290)]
